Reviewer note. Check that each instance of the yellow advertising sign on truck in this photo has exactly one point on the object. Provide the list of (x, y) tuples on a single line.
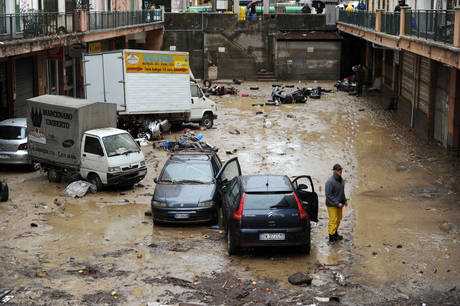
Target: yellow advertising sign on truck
[(156, 62)]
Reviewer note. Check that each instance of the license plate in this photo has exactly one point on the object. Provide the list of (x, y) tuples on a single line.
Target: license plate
[(272, 236), (181, 216), (3, 156)]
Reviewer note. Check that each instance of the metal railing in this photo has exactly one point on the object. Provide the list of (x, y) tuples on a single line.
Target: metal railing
[(363, 19), (390, 23), (115, 19), (437, 25), (36, 24)]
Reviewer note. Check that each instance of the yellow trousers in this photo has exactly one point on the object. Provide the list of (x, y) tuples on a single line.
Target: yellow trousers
[(335, 216)]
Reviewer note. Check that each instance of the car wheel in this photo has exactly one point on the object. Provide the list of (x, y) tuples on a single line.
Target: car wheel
[(305, 249), (156, 222), (231, 244), (96, 181), (207, 121), (54, 176)]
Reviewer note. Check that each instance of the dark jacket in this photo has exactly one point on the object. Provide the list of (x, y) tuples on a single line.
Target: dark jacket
[(335, 191)]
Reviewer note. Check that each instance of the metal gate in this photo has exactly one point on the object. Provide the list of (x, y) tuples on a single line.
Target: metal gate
[(441, 106), (24, 85)]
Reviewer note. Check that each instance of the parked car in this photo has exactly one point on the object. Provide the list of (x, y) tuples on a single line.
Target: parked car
[(13, 142), (266, 210), (186, 190)]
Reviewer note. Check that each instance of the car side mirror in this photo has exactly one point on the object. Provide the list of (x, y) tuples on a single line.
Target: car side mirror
[(302, 187)]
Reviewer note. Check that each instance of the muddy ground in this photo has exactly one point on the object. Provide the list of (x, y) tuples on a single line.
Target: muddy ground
[(401, 228)]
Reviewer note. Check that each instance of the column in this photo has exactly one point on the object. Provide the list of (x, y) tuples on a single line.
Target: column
[(453, 138)]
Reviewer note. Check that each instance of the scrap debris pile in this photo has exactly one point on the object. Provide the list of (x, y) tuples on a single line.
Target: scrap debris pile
[(188, 140), (346, 85), (281, 95), (149, 130), (220, 90)]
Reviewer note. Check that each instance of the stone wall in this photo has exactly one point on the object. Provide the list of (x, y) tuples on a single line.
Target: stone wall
[(238, 49)]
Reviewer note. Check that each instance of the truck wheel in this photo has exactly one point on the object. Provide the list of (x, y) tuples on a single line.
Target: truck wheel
[(94, 179), (54, 176), (207, 121)]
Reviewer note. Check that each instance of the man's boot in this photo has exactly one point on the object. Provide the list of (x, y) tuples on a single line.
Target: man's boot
[(338, 237)]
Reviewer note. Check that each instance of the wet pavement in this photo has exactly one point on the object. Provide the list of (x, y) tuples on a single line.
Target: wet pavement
[(401, 227)]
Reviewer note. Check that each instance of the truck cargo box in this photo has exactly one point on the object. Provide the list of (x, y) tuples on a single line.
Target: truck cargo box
[(140, 82), (56, 125)]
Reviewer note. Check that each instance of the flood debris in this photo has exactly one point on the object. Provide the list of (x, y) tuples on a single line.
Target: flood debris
[(221, 90), (4, 192), (79, 189), (188, 140), (339, 278), (300, 278), (235, 132), (328, 299), (5, 295)]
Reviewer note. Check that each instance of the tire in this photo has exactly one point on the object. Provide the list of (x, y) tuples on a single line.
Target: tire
[(4, 192), (54, 176), (207, 83), (232, 247), (94, 179), (207, 121), (305, 249), (215, 218)]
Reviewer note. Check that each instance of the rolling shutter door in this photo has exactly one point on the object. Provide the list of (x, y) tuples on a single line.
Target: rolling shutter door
[(424, 85), (24, 85), (441, 105), (407, 82)]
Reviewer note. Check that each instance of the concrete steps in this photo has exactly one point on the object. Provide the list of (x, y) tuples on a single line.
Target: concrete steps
[(266, 76)]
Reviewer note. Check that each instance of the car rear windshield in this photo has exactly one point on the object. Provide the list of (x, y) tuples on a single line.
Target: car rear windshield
[(270, 201), (192, 172), (12, 132)]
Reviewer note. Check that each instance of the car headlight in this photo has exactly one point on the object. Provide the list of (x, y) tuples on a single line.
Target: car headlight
[(158, 204), (206, 204), (142, 163), (114, 169)]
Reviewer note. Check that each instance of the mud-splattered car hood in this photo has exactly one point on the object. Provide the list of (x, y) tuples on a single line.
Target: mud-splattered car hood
[(187, 194)]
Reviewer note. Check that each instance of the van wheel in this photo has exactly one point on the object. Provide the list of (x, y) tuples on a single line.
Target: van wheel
[(54, 176), (231, 244), (94, 179), (207, 121)]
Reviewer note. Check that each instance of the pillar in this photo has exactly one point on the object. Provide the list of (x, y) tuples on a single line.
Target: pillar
[(453, 116), (402, 20), (266, 4), (457, 27), (378, 20)]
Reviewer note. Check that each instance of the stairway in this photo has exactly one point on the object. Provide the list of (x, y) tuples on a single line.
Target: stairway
[(266, 76)]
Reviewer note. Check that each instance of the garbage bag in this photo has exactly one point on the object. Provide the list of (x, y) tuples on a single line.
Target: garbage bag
[(155, 128), (79, 189)]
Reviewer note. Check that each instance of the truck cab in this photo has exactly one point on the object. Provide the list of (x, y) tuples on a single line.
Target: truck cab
[(110, 156), (203, 109)]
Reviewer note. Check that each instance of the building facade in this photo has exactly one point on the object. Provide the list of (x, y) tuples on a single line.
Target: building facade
[(42, 42)]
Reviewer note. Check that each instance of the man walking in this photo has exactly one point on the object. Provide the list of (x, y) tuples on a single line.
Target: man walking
[(335, 201)]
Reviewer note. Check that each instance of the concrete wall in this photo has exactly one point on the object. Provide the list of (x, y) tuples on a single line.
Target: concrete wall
[(238, 49)]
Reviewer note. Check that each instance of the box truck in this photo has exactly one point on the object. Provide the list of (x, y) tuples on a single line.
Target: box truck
[(147, 85), (77, 138)]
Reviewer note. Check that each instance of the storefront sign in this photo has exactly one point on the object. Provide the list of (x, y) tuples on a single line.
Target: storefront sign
[(95, 47), (139, 62)]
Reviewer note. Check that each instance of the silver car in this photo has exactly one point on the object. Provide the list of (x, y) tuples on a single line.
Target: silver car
[(13, 142)]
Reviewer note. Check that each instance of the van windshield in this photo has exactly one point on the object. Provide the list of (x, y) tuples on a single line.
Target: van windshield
[(119, 144), (8, 132), (190, 172)]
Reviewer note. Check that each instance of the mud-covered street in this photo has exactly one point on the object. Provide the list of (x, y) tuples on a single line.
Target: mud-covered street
[(401, 226)]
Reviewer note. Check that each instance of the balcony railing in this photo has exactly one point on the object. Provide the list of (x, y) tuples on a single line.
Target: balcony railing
[(39, 24), (437, 25), (390, 23), (110, 20), (36, 24), (359, 18)]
